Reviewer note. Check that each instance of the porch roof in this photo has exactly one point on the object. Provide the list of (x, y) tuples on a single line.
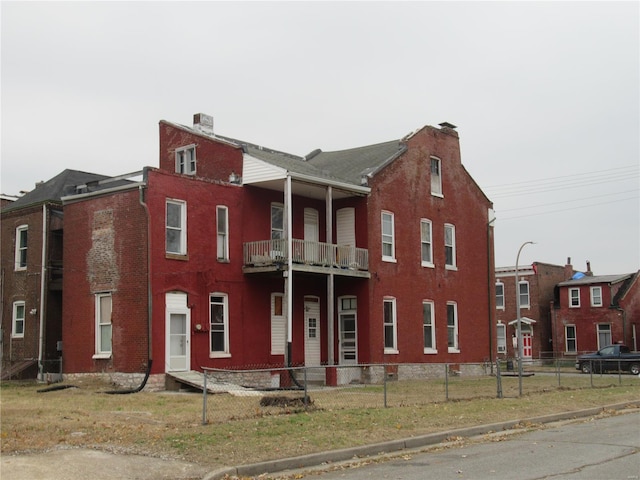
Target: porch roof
[(525, 320)]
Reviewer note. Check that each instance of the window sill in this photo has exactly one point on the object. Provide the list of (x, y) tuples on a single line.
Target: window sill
[(17, 337), (435, 194), (428, 265), (20, 269), (500, 308), (453, 268), (102, 356), (219, 355), (223, 260), (430, 351), (176, 256), (391, 351), (574, 306), (453, 350), (389, 259)]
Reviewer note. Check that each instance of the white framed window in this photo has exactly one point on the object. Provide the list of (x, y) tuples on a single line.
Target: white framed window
[(278, 325), (500, 295), (426, 246), (452, 327), (219, 325), (604, 335), (390, 325), (450, 246), (21, 247), (17, 324), (574, 297), (436, 176), (388, 240), (429, 327), (222, 230), (501, 337), (596, 296), (570, 342), (277, 221), (186, 160), (103, 325), (523, 293), (176, 227)]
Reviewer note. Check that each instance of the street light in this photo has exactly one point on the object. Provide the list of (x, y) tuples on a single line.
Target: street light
[(519, 320)]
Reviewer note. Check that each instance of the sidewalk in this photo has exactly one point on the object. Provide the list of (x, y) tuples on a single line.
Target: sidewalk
[(80, 464)]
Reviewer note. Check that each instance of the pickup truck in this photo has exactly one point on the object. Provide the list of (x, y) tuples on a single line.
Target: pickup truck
[(613, 357)]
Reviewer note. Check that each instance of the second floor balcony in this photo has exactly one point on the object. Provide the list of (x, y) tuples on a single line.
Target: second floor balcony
[(315, 257)]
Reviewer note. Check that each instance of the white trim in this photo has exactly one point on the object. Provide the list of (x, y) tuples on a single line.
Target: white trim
[(394, 324), (225, 246), (183, 225), (433, 349), (429, 223), (18, 249), (500, 307), (226, 352), (100, 322), (453, 264), (591, 290), (455, 348), (571, 290), (392, 257), (14, 317), (187, 170)]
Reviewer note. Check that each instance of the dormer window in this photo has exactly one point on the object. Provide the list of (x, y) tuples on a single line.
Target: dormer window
[(186, 160)]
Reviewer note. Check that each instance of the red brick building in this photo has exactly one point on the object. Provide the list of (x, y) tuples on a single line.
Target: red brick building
[(232, 255), (32, 232), (537, 284), (593, 311)]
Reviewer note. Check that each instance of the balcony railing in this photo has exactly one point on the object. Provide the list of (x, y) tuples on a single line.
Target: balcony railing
[(274, 252)]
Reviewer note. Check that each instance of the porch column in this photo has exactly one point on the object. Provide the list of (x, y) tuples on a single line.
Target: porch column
[(288, 284), (330, 292)]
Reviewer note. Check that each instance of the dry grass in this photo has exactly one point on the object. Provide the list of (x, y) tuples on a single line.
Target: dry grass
[(241, 431)]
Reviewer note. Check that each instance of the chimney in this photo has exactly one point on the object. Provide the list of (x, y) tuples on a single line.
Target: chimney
[(203, 123), (449, 128), (568, 269), (589, 272)]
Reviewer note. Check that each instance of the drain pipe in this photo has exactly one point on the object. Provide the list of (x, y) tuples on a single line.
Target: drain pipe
[(43, 281), (149, 298)]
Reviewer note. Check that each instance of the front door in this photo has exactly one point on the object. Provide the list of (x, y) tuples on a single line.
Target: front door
[(311, 252), (527, 350), (348, 338), (178, 319), (311, 331)]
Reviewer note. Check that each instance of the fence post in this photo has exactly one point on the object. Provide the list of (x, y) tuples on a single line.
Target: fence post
[(619, 372), (498, 379), (591, 372), (204, 399), (446, 381), (384, 380), (558, 370)]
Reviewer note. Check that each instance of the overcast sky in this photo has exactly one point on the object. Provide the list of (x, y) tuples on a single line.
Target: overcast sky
[(545, 96)]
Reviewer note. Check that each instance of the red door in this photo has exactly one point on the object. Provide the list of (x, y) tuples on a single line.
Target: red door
[(527, 351)]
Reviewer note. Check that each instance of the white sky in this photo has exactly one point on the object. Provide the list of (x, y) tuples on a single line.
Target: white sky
[(546, 97)]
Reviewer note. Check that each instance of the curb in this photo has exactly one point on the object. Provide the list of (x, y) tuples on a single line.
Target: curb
[(333, 456)]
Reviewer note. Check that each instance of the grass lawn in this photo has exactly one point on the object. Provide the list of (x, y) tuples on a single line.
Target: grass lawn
[(239, 430)]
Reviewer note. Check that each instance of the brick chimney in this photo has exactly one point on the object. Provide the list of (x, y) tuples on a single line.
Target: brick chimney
[(568, 269), (589, 273), (203, 123)]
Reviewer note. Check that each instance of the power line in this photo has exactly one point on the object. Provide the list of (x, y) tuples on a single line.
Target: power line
[(568, 209), (569, 201)]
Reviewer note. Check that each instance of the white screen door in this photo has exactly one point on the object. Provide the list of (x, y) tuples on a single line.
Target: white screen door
[(311, 331), (177, 332)]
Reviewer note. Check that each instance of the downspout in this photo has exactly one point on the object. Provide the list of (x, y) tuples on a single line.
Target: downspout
[(624, 324), (149, 299), (43, 282), (289, 279)]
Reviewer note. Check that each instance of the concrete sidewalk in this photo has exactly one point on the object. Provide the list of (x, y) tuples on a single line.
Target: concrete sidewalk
[(80, 464)]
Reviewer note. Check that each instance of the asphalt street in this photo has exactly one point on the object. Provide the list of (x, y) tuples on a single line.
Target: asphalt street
[(597, 449)]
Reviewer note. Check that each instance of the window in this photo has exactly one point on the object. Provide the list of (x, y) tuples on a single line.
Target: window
[(17, 330), (574, 297), (186, 160), (570, 345), (425, 243), (452, 327), (278, 326), (390, 326), (500, 295), (596, 296), (21, 247), (176, 227), (429, 327), (450, 246), (388, 247), (103, 325), (436, 177), (219, 331), (501, 335), (604, 335), (277, 221), (523, 290), (222, 241)]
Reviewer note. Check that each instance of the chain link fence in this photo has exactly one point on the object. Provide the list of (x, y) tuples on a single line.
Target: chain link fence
[(255, 392)]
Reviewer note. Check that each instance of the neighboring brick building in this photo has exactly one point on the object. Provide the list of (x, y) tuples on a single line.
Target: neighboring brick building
[(32, 227), (593, 311), (537, 283), (389, 259)]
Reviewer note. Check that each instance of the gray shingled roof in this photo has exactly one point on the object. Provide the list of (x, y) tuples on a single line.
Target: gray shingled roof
[(54, 189), (344, 165), (352, 164), (590, 280)]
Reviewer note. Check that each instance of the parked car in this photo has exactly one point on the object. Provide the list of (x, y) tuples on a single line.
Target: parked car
[(611, 358)]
